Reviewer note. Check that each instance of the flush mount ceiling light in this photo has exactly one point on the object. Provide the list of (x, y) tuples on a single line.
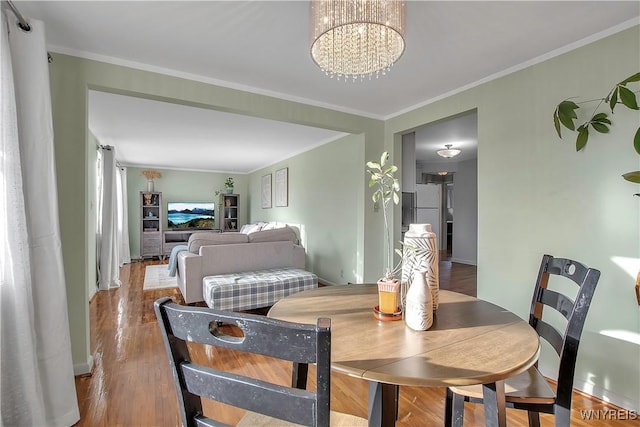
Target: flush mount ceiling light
[(448, 152), (357, 38)]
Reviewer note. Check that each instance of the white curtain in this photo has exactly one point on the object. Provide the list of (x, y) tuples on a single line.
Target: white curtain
[(36, 369), (108, 244), (122, 228)]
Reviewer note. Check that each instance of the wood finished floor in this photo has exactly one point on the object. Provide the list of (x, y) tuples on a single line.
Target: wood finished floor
[(131, 383)]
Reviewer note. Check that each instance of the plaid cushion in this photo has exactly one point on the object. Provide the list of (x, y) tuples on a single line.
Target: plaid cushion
[(255, 289)]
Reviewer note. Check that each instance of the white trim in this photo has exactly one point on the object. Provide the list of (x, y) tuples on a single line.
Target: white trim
[(83, 368), (557, 52), (208, 80), (464, 261), (606, 395), (330, 283)]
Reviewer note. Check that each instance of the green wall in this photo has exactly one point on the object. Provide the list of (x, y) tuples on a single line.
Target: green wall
[(179, 186), (536, 195), (326, 198)]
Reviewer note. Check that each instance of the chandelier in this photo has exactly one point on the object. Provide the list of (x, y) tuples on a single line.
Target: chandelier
[(357, 38), (448, 152)]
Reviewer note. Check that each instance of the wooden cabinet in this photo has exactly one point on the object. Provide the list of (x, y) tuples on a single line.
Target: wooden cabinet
[(228, 211), (150, 224)]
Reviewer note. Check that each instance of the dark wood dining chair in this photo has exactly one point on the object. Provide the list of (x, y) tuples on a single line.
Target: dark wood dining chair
[(267, 403), (530, 391)]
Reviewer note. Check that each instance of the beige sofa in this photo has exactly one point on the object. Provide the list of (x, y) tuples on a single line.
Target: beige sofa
[(211, 254)]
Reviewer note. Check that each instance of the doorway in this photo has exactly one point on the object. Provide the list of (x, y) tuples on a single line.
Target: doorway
[(455, 208)]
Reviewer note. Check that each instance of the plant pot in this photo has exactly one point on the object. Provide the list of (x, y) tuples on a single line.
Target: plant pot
[(229, 190), (389, 296), (150, 185)]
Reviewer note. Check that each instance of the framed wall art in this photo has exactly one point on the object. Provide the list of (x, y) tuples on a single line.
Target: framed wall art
[(282, 187), (266, 191)]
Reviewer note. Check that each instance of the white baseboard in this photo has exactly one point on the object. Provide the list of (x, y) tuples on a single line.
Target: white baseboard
[(463, 261), (326, 282), (606, 395), (83, 368)]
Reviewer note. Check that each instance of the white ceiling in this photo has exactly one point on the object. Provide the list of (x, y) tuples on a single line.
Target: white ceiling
[(263, 47)]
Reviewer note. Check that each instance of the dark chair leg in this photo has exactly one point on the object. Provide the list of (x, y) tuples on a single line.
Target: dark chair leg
[(458, 410), (534, 419), (448, 408), (562, 416)]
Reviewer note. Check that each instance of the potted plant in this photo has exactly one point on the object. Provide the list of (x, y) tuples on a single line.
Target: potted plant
[(565, 116), (386, 191), (151, 175), (229, 185)]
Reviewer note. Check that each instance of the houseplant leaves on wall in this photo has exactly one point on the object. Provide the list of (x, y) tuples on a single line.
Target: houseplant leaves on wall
[(565, 115)]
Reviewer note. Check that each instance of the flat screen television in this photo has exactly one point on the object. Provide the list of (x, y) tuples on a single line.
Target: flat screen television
[(190, 215)]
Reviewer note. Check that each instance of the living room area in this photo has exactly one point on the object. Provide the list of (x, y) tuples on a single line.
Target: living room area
[(534, 194)]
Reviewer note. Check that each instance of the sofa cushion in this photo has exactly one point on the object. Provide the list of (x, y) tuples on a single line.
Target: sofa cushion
[(275, 235), (197, 240), (251, 228)]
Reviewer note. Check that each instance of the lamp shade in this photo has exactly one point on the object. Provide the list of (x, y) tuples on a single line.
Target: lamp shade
[(448, 152), (357, 38)]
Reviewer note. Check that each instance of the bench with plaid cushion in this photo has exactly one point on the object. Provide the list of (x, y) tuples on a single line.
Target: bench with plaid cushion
[(255, 289)]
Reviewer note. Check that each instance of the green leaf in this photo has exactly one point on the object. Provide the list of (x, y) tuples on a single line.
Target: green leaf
[(373, 165), (636, 141), (602, 128), (396, 198), (632, 177), (567, 108), (556, 123), (614, 99), (634, 78), (583, 136), (566, 114), (628, 98), (372, 182), (599, 117), (384, 158), (376, 196)]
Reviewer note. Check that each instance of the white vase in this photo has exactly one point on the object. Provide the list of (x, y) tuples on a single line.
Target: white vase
[(419, 306), (424, 257), (149, 185)]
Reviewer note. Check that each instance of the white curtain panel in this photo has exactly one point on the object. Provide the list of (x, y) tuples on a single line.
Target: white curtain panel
[(123, 214), (36, 369), (108, 245)]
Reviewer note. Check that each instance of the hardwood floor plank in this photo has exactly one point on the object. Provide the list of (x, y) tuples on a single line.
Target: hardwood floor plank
[(131, 383)]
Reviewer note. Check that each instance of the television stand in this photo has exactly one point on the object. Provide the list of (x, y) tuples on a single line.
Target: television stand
[(173, 238)]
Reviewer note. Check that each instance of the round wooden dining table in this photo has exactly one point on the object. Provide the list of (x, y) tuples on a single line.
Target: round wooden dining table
[(471, 342)]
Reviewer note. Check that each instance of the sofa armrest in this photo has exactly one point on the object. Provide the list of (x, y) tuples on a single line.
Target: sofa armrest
[(190, 276), (299, 257)]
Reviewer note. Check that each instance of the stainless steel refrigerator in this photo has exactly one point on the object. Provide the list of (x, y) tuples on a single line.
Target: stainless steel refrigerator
[(429, 206)]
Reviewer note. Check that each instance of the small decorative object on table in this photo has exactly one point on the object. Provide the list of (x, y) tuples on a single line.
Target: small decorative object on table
[(420, 254), (418, 313)]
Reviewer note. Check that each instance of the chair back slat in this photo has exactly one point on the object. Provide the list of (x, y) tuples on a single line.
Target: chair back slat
[(551, 335), (261, 335), (293, 405), (559, 302), (298, 343)]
